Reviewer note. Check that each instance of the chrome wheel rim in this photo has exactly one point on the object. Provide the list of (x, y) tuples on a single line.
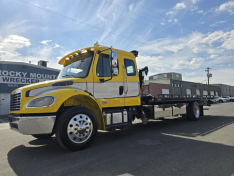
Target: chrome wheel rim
[(196, 110), (79, 128)]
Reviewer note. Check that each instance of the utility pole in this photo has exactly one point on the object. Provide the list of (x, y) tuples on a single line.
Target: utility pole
[(208, 76)]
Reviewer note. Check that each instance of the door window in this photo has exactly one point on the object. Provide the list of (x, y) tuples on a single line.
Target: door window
[(130, 67), (103, 66)]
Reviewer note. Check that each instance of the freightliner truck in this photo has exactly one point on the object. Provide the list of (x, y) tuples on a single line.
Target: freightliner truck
[(98, 88)]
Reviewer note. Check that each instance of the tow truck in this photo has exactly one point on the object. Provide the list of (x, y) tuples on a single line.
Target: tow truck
[(98, 88)]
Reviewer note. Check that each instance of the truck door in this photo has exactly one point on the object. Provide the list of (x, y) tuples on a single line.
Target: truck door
[(109, 93), (131, 83)]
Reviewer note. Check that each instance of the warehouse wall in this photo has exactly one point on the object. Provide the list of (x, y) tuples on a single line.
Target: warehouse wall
[(226, 90), (13, 76), (180, 87)]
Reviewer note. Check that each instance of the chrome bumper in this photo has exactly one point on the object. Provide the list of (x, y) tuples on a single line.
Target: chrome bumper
[(32, 124)]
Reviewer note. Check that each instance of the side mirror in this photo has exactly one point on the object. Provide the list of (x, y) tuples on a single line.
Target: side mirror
[(114, 58), (114, 62)]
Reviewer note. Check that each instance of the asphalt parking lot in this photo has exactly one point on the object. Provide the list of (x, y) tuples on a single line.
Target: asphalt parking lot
[(163, 147)]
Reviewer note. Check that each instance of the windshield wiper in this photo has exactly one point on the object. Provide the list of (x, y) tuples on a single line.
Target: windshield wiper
[(68, 75)]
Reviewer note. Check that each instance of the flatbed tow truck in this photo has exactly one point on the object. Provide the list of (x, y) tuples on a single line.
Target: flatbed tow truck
[(98, 88)]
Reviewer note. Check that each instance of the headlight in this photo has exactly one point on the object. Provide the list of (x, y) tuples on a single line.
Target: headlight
[(41, 102)]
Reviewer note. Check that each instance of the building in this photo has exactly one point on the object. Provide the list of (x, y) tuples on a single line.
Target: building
[(17, 74), (226, 90), (172, 83), (166, 76)]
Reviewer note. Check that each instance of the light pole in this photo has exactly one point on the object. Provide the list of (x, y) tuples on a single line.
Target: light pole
[(208, 76)]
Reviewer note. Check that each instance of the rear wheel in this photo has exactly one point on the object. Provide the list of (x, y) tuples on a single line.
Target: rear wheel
[(193, 111), (220, 101), (231, 100), (76, 128), (43, 136)]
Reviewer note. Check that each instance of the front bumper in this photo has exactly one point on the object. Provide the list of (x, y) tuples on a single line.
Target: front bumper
[(32, 124)]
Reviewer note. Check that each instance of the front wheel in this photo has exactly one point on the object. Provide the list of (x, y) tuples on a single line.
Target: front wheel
[(220, 101), (76, 128)]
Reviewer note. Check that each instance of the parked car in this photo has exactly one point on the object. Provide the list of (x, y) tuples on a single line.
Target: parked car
[(221, 99), (231, 98), (215, 100), (227, 98)]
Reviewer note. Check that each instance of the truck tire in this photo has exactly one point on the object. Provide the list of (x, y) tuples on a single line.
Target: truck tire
[(76, 128), (43, 136), (193, 111)]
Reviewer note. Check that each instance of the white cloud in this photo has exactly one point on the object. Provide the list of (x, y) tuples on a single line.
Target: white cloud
[(200, 11), (229, 65), (193, 8), (217, 36), (190, 74), (175, 20), (210, 43), (170, 13), (45, 42), (218, 22), (163, 45), (179, 6), (10, 44), (195, 1), (224, 59), (57, 46), (131, 7), (193, 64), (213, 56), (226, 7), (155, 62), (229, 42)]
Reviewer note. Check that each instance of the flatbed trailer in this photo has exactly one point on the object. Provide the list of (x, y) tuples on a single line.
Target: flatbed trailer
[(174, 105)]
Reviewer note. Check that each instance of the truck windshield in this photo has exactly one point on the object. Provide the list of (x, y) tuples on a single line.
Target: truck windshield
[(77, 67)]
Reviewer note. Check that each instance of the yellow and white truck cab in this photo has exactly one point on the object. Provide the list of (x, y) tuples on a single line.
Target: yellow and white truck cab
[(98, 88)]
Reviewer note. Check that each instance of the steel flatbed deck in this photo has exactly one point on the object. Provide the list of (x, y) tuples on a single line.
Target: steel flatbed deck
[(175, 99)]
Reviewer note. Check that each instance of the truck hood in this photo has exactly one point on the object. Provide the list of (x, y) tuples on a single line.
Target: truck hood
[(49, 83)]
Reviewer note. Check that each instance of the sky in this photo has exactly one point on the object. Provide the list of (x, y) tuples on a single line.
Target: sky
[(184, 36)]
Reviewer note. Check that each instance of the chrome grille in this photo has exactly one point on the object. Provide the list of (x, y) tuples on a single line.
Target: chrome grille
[(15, 102)]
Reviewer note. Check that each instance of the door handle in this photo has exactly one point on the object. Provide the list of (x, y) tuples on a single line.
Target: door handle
[(121, 88)]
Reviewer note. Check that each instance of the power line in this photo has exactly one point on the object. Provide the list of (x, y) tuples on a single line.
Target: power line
[(80, 22)]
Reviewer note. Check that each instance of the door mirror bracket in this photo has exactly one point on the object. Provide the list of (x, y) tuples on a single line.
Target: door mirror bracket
[(113, 63)]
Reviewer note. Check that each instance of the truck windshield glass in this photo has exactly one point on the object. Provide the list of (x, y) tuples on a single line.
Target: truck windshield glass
[(77, 67)]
